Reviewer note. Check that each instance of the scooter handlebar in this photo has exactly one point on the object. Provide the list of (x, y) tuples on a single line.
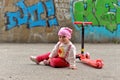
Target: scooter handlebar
[(77, 22)]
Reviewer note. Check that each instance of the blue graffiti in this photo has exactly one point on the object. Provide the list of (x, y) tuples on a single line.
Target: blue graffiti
[(39, 9), (32, 15), (51, 11)]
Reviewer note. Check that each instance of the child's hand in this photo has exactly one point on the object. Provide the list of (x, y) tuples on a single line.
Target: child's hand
[(46, 62), (73, 67)]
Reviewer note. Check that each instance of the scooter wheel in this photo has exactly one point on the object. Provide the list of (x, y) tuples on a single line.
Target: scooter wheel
[(78, 56), (87, 55), (99, 63)]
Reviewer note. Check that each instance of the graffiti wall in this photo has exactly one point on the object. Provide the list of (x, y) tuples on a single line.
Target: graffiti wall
[(40, 20), (105, 17)]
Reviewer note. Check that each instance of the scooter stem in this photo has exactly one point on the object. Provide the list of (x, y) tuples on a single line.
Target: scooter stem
[(82, 40)]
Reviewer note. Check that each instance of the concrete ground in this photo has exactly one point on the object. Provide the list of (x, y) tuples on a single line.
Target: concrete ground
[(15, 63)]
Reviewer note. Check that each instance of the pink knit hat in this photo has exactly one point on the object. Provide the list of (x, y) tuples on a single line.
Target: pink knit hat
[(65, 31)]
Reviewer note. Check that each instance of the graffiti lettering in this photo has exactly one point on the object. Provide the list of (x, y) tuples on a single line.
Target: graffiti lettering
[(32, 15), (62, 1), (2, 4), (62, 8), (109, 17)]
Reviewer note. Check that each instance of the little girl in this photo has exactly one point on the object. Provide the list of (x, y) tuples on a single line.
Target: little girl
[(62, 55)]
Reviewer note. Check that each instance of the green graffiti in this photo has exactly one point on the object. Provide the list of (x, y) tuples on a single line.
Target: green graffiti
[(101, 12)]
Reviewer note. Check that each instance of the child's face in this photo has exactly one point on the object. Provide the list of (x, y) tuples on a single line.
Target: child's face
[(63, 39)]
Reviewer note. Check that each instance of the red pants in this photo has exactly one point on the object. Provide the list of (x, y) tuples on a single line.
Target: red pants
[(54, 62)]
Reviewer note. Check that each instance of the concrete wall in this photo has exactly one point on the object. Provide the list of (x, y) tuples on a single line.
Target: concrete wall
[(40, 20)]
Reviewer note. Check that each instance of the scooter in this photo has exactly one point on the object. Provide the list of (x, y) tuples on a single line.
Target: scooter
[(85, 57)]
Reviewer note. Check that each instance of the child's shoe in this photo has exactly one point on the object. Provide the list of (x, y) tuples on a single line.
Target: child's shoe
[(33, 58)]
